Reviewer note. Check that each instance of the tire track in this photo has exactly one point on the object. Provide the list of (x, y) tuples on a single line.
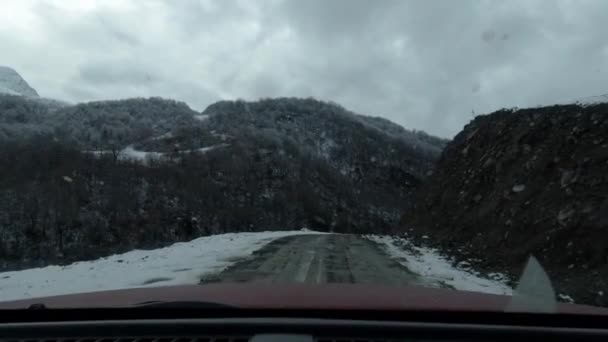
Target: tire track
[(318, 259)]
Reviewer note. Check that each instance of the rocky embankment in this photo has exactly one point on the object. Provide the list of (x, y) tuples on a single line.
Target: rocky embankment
[(525, 182)]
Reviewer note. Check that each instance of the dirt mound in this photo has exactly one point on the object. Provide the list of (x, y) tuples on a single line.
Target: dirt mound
[(520, 182)]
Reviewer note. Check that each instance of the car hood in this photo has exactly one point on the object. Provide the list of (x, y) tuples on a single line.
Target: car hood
[(294, 296)]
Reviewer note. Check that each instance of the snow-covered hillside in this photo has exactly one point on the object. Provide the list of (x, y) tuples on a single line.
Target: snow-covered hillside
[(144, 157), (12, 83), (181, 263)]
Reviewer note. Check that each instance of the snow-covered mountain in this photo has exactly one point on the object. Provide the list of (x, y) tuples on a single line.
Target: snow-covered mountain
[(143, 173), (12, 83)]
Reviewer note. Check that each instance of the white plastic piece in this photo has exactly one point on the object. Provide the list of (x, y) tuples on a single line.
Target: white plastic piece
[(534, 293)]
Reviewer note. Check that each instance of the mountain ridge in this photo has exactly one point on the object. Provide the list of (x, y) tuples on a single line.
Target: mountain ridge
[(103, 177), (12, 83)]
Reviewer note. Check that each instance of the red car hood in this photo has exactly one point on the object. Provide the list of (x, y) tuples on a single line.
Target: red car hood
[(295, 296)]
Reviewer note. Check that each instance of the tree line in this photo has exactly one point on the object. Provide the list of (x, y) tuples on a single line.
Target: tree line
[(61, 205)]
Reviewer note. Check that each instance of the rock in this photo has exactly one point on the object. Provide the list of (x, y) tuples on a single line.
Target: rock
[(568, 177), (564, 215), (489, 162), (518, 188), (472, 134), (535, 182)]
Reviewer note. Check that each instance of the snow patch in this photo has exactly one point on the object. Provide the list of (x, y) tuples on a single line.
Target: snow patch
[(518, 188), (131, 154), (163, 136), (326, 146), (5, 90), (431, 265), (209, 148), (178, 264), (565, 298), (201, 117)]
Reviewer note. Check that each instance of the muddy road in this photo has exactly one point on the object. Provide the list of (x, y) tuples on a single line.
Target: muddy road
[(317, 259)]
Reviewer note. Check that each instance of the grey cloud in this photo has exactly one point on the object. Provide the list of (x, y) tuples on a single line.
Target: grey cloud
[(93, 30), (424, 64), (454, 46), (119, 35), (121, 73), (340, 19), (121, 79)]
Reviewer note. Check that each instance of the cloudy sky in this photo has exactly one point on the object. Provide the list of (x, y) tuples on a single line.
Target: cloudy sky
[(423, 64)]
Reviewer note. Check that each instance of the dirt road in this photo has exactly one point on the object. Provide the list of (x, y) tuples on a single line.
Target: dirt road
[(315, 259)]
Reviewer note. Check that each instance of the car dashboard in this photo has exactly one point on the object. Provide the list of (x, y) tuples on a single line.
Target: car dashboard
[(132, 325)]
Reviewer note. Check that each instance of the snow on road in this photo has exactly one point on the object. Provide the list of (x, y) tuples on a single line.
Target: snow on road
[(432, 266), (188, 262), (180, 263)]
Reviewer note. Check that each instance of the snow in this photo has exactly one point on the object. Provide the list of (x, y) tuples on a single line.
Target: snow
[(5, 90), (209, 148), (180, 263), (163, 136), (326, 146), (565, 298), (12, 83), (434, 267), (129, 153), (201, 117), (518, 188)]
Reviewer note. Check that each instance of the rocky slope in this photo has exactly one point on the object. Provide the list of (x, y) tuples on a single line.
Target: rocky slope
[(525, 182)]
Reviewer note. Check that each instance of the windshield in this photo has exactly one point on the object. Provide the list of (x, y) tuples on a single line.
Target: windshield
[(438, 146)]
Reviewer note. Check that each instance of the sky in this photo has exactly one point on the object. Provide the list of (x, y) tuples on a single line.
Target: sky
[(430, 64)]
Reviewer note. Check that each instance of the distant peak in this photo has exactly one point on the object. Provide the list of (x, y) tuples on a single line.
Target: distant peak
[(12, 83)]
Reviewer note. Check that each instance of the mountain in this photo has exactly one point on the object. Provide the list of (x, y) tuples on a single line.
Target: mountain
[(25, 117), (524, 182), (97, 178), (12, 83), (354, 145), (117, 124)]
